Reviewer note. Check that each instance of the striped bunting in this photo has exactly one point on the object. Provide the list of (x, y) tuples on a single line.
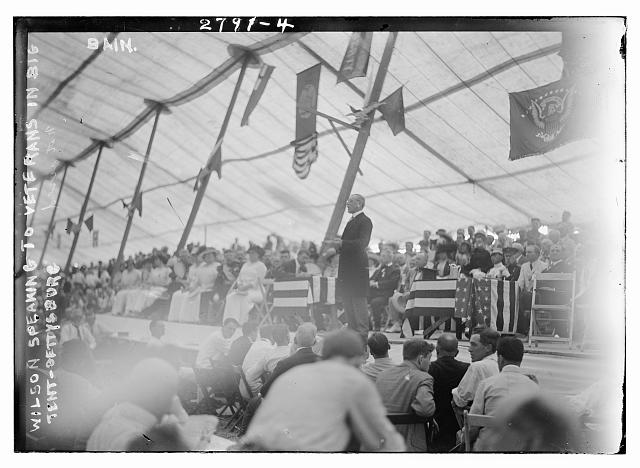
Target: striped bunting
[(324, 290), (291, 297), (499, 300), (432, 297)]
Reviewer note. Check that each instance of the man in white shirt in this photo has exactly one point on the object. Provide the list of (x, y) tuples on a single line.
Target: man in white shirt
[(482, 348), (76, 328), (498, 270), (267, 363), (528, 270), (510, 382), (216, 346)]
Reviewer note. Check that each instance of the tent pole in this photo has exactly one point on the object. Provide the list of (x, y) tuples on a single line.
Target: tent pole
[(361, 141), (344, 144), (159, 109), (202, 188), (53, 214), (76, 233), (35, 207)]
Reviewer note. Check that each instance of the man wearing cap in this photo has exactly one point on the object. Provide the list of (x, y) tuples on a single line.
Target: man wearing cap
[(353, 273), (498, 270), (480, 258), (322, 407), (379, 348)]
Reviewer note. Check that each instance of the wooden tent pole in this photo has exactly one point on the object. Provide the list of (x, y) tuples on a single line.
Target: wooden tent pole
[(361, 141), (35, 207), (202, 187), (159, 109), (53, 215), (76, 233), (344, 144)]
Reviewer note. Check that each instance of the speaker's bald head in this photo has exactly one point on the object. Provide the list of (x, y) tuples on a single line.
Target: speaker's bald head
[(447, 345)]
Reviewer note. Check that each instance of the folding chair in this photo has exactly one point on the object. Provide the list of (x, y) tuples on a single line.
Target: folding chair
[(473, 420), (553, 294), (264, 306), (237, 397)]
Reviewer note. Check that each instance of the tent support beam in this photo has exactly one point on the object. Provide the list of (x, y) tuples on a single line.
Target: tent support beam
[(83, 210), (344, 144), (159, 109), (202, 187), (330, 118), (361, 141), (53, 214), (35, 207)]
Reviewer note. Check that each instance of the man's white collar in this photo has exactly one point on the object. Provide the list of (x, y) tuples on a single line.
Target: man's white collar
[(356, 214)]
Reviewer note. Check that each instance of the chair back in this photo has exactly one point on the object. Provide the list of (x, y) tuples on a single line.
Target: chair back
[(473, 420)]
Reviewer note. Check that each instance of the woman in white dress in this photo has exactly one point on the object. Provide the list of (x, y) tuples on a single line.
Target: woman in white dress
[(155, 286), (129, 280), (248, 288), (185, 304)]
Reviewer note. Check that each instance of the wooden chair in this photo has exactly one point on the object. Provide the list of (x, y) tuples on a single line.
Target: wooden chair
[(553, 294), (429, 424), (473, 420)]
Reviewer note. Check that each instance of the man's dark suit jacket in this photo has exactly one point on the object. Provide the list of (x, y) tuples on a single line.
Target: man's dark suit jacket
[(353, 267), (480, 258), (302, 356), (285, 271), (238, 350), (387, 277), (447, 372), (514, 272), (560, 267)]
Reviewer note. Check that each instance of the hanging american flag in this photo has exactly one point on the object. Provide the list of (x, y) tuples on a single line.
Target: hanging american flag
[(464, 301), (324, 290), (433, 298), (291, 297), (305, 154), (498, 300)]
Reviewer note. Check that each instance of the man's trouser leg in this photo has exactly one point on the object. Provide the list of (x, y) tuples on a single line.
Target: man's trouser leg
[(357, 316), (377, 310)]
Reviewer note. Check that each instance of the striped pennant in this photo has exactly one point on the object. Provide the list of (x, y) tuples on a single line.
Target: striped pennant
[(432, 297), (324, 290), (291, 297), (500, 299)]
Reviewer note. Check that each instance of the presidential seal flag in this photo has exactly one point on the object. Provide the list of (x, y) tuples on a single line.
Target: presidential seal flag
[(543, 119)]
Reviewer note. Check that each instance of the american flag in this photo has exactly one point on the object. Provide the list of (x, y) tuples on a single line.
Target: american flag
[(498, 300), (432, 298), (324, 290), (291, 297), (464, 298)]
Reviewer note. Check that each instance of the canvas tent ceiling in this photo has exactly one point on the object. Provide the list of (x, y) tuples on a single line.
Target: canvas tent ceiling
[(448, 169)]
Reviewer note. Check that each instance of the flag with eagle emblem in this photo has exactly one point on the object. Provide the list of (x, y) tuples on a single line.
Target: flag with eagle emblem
[(543, 119)]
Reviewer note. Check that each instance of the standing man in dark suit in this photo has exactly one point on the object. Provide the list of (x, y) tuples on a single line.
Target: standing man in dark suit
[(447, 372), (353, 272)]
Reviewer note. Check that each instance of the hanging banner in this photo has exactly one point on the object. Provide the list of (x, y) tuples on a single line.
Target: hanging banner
[(392, 109), (307, 102), (356, 58), (543, 119), (256, 94)]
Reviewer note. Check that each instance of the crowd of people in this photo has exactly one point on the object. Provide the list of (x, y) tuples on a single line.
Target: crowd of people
[(200, 284), (309, 392)]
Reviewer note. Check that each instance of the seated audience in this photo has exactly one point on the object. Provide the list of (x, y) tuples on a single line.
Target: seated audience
[(382, 283), (248, 290), (556, 263), (408, 388), (267, 363), (217, 345), (320, 407), (99, 331), (480, 261), (509, 382), (304, 340), (482, 348), (240, 347), (511, 255), (76, 328), (129, 280), (447, 372), (189, 304), (149, 395), (378, 348)]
